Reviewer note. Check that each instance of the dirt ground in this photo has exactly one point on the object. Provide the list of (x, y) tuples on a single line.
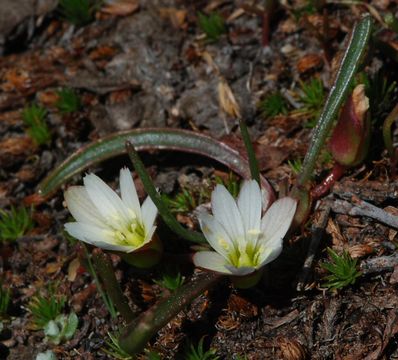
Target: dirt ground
[(149, 64)]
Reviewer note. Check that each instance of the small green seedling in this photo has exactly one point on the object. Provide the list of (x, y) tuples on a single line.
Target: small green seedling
[(62, 328), (309, 8), (381, 91), (5, 297), (232, 183), (343, 270), (33, 117), (114, 350), (78, 12), (182, 202), (391, 21), (312, 97), (273, 104), (47, 355), (198, 353), (171, 279), (14, 223), (296, 165), (152, 355), (68, 101), (212, 25), (45, 307)]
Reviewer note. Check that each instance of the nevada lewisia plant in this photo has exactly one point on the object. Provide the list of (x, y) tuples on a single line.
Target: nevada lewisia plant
[(243, 240), (112, 222)]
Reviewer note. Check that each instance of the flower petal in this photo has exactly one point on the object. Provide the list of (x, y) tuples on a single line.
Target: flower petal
[(250, 204), (81, 207), (276, 222), (215, 234), (269, 255), (226, 212), (149, 212), (105, 199), (212, 261), (240, 271), (149, 236), (128, 192), (95, 236)]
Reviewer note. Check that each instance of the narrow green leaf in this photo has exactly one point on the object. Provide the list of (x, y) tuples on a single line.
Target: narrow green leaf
[(105, 269), (164, 211), (255, 172), (350, 63)]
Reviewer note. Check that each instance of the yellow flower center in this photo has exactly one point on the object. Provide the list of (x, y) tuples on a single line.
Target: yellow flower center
[(246, 254), (132, 233)]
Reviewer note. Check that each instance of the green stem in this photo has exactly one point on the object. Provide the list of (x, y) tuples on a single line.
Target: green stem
[(255, 173), (164, 212), (136, 335), (107, 273), (108, 302), (349, 65)]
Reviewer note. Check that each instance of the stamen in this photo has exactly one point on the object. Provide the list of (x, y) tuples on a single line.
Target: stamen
[(254, 232), (223, 243)]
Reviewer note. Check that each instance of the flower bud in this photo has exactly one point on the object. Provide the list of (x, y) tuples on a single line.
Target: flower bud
[(147, 256), (350, 139), (247, 281)]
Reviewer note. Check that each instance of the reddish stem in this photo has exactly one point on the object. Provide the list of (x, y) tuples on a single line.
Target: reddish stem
[(266, 29), (321, 189)]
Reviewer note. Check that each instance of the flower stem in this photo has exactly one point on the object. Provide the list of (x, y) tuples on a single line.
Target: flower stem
[(255, 173), (108, 302), (107, 273), (136, 335), (321, 189), (164, 212)]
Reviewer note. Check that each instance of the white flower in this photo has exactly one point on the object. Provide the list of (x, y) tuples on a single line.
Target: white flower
[(243, 241), (106, 220)]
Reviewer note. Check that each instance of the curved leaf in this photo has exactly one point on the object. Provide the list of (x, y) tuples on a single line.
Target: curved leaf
[(148, 139)]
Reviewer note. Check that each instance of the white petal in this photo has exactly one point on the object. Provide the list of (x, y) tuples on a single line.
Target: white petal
[(240, 271), (269, 255), (95, 236), (129, 192), (149, 212), (81, 207), (212, 261), (215, 234), (105, 199), (276, 222), (148, 236), (250, 204), (226, 212)]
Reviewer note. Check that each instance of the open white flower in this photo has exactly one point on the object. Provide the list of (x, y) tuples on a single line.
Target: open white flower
[(105, 219), (243, 241)]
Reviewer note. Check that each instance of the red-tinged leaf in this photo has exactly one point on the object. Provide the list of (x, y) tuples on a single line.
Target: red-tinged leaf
[(149, 139), (350, 139)]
